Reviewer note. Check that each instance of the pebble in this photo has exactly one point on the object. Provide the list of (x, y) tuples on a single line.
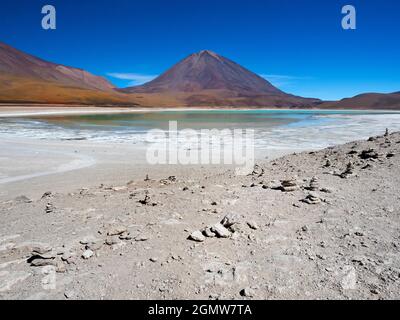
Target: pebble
[(117, 230), (247, 292), (197, 236), (229, 220), (87, 254), (220, 231), (253, 225)]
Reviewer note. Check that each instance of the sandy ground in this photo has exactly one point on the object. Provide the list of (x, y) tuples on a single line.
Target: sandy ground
[(104, 231)]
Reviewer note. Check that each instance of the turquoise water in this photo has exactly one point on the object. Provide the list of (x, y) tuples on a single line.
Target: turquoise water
[(274, 129)]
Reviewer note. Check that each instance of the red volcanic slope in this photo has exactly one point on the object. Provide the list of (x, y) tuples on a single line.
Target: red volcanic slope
[(208, 71), (206, 78), (19, 64)]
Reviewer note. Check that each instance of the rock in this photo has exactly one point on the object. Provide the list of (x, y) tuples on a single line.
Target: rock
[(87, 254), (49, 208), (247, 292), (41, 249), (88, 240), (326, 190), (125, 236), (141, 238), (197, 236), (94, 246), (153, 259), (314, 184), (253, 225), (348, 172), (312, 198), (386, 133), (116, 189), (42, 262), (328, 163), (369, 154), (257, 171), (47, 194), (116, 230), (208, 233), (220, 231), (390, 155), (112, 240), (289, 185), (229, 220), (69, 294)]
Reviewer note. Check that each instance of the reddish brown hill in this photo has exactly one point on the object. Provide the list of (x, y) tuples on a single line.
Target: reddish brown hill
[(17, 63), (375, 101), (208, 79)]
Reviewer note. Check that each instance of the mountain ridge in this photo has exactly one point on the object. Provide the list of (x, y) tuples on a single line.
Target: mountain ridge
[(202, 79)]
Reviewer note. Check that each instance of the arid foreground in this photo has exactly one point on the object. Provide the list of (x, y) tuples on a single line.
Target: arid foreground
[(321, 225)]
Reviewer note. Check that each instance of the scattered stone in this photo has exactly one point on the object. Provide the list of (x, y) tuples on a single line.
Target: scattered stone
[(328, 163), (116, 189), (258, 171), (50, 208), (197, 236), (96, 245), (369, 154), (220, 231), (208, 233), (41, 262), (314, 184), (87, 254), (69, 294), (253, 225), (247, 292), (348, 172), (147, 201), (47, 194), (41, 249), (116, 231), (312, 198), (229, 220), (289, 185), (125, 236), (141, 238), (386, 133), (169, 180), (112, 240)]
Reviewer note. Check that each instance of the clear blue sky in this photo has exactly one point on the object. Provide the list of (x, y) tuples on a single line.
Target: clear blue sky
[(297, 44)]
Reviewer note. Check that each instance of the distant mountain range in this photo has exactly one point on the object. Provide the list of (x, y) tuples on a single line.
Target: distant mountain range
[(203, 79)]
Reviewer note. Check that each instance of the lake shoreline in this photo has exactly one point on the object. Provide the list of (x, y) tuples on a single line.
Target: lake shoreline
[(48, 110)]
